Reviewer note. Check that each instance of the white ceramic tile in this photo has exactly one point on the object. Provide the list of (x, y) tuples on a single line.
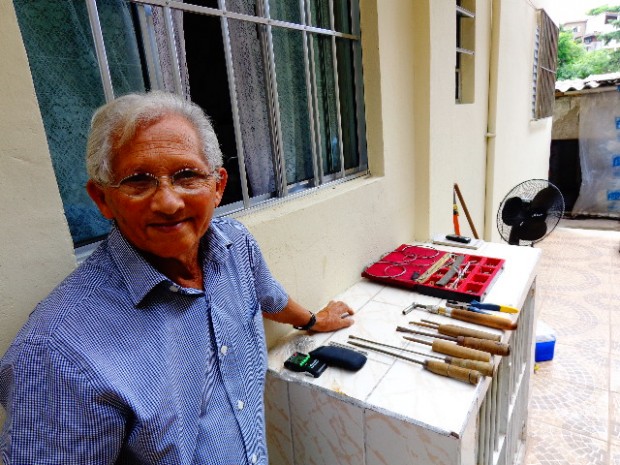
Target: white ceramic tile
[(410, 391), (359, 294), (278, 421), (326, 431), (390, 441)]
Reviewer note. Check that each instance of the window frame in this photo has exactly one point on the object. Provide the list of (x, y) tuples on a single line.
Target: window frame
[(465, 52), (545, 66)]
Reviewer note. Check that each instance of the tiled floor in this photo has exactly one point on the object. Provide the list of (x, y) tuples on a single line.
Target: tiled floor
[(574, 415)]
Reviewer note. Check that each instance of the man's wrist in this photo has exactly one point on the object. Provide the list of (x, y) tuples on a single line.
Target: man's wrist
[(308, 325)]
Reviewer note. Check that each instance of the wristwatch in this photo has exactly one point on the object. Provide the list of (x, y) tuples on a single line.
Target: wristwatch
[(308, 325)]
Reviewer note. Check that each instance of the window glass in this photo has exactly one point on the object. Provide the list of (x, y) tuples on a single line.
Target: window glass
[(288, 10), (319, 14), (67, 82), (327, 110), (351, 110), (293, 104)]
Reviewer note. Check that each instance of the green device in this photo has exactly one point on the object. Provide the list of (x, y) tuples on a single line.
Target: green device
[(304, 363)]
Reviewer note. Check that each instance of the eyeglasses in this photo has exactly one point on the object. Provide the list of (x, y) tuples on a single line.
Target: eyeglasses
[(142, 185)]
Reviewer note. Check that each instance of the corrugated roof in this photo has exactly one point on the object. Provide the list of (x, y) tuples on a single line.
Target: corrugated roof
[(591, 82)]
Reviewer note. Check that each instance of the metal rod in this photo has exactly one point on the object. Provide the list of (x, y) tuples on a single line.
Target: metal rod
[(102, 58)]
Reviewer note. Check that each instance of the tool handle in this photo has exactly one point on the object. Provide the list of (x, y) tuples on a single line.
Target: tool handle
[(490, 321), (485, 368), (452, 371), (455, 331), (508, 309), (492, 347), (449, 348)]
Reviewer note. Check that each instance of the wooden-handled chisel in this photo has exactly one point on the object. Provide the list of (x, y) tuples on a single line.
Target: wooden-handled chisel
[(456, 330), (492, 347)]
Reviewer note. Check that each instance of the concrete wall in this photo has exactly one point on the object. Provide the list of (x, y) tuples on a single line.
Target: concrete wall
[(566, 117)]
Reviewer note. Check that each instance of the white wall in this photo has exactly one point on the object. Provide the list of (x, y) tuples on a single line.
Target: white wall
[(458, 131), (36, 251), (520, 147)]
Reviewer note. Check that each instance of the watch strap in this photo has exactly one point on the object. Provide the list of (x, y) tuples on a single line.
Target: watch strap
[(308, 325)]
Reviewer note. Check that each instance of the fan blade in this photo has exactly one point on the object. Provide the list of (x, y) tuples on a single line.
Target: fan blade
[(513, 238), (532, 229), (545, 199), (514, 211)]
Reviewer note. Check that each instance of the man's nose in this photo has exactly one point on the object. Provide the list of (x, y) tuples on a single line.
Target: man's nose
[(166, 199)]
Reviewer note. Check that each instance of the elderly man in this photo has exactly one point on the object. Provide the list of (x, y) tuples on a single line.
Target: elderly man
[(152, 351)]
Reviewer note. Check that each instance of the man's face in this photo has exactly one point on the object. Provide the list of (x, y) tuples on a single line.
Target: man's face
[(166, 224)]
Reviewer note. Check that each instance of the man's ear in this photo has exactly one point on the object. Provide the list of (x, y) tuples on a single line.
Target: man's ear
[(97, 193), (221, 185)]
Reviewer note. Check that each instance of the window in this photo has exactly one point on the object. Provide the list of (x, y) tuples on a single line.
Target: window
[(465, 46), (545, 65), (281, 80)]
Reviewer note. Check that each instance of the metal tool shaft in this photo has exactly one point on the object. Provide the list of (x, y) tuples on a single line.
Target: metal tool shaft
[(434, 366), (485, 368)]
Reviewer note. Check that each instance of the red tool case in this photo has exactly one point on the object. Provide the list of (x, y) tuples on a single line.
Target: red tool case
[(427, 270)]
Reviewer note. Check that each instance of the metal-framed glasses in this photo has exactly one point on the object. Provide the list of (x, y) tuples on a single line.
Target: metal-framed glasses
[(142, 185)]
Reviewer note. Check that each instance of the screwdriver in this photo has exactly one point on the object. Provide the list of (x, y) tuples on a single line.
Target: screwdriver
[(485, 368), (475, 305), (455, 330), (434, 366), (490, 321), (492, 347)]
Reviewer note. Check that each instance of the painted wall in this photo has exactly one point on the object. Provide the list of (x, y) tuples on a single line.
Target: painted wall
[(36, 251), (458, 131), (420, 142), (519, 147)]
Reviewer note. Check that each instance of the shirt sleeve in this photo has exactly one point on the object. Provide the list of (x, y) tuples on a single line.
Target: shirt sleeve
[(271, 295), (54, 416)]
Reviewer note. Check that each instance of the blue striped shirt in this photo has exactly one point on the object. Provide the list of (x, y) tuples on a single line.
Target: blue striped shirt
[(119, 365)]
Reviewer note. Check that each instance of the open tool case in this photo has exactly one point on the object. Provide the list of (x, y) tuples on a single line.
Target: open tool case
[(437, 273)]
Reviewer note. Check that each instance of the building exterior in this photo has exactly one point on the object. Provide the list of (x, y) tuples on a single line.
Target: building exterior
[(419, 139), (587, 31)]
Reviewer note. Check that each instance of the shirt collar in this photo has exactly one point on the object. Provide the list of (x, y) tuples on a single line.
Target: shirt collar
[(140, 277)]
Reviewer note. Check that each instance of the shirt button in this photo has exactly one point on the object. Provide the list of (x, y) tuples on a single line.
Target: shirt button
[(254, 458), (224, 350), (174, 288), (240, 404)]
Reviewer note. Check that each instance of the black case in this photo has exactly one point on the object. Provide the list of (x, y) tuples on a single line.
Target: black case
[(339, 357)]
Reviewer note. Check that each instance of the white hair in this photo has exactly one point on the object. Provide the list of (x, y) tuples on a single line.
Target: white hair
[(115, 123)]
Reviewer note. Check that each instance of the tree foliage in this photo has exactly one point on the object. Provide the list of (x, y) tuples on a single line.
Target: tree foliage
[(575, 62)]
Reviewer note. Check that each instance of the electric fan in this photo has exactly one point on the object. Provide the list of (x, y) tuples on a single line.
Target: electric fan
[(529, 212)]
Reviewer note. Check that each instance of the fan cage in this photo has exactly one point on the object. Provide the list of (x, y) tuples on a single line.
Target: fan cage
[(526, 191)]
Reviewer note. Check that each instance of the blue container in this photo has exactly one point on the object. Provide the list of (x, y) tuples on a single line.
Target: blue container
[(544, 350), (545, 342)]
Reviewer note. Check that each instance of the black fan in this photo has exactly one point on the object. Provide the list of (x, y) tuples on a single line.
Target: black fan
[(529, 212)]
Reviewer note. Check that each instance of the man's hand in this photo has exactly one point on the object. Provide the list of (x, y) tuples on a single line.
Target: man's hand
[(335, 315)]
